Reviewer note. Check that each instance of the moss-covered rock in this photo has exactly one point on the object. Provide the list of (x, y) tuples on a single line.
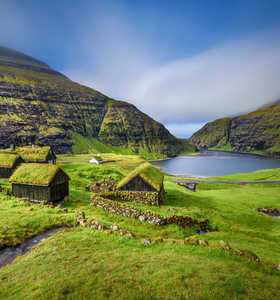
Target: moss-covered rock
[(248, 254), (225, 245)]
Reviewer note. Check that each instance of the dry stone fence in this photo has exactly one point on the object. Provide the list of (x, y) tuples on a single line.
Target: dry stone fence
[(125, 210), (143, 185)]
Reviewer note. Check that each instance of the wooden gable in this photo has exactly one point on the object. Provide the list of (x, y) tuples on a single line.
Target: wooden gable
[(59, 178), (137, 183)]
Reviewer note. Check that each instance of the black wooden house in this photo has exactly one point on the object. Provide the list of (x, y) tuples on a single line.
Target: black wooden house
[(36, 154), (40, 182), (8, 163), (144, 178)]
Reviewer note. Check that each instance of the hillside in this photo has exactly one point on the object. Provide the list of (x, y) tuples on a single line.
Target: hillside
[(41, 106), (83, 262), (257, 132)]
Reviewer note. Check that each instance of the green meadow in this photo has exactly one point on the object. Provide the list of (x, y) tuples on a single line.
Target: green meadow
[(85, 263)]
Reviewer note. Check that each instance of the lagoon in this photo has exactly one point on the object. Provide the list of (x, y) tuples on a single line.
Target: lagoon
[(215, 163)]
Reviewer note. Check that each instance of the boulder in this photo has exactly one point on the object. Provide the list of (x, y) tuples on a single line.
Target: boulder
[(101, 227), (142, 218), (225, 245), (115, 227), (203, 243), (191, 240), (159, 240), (130, 234), (146, 242), (247, 253)]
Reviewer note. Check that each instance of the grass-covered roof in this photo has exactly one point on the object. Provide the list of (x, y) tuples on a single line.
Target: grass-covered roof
[(33, 154), (8, 159), (35, 174), (147, 172)]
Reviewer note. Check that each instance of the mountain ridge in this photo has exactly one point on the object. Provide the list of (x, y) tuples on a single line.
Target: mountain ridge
[(41, 106), (254, 132)]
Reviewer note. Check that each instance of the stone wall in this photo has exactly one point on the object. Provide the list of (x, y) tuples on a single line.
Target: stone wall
[(152, 218), (147, 198), (274, 212), (103, 185)]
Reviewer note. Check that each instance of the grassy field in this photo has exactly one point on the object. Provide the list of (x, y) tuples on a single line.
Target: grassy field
[(84, 263)]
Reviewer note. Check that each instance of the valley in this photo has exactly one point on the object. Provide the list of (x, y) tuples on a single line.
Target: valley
[(41, 106), (82, 262)]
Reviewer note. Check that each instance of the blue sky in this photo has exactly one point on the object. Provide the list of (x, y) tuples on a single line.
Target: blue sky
[(182, 62)]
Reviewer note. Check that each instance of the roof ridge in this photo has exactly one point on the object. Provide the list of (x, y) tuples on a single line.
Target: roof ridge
[(148, 173)]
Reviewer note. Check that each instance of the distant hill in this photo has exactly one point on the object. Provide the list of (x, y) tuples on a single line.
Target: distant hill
[(42, 106), (257, 132)]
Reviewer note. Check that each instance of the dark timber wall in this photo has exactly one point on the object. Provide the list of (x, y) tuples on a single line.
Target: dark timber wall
[(32, 192), (59, 191), (137, 184), (6, 172), (161, 195)]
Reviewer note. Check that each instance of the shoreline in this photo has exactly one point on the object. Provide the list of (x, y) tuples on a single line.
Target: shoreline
[(160, 159), (237, 152)]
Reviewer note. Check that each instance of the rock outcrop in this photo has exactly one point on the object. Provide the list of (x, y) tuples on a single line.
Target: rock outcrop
[(41, 106)]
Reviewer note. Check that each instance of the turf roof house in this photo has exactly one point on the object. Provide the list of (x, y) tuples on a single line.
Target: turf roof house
[(40, 182), (145, 178), (8, 163), (35, 154)]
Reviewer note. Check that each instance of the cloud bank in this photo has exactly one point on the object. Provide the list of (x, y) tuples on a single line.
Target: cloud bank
[(229, 79)]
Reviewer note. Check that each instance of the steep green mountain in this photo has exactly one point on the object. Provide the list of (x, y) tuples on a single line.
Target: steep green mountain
[(41, 106), (257, 132)]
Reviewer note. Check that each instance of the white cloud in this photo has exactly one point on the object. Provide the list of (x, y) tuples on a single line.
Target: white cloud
[(227, 80)]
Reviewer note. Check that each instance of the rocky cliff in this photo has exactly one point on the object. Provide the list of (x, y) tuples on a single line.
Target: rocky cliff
[(257, 132), (41, 106)]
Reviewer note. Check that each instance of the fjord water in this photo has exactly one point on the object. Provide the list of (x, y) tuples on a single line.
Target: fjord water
[(215, 163)]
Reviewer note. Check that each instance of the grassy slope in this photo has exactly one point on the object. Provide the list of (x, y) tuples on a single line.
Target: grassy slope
[(83, 145), (19, 221), (87, 264)]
